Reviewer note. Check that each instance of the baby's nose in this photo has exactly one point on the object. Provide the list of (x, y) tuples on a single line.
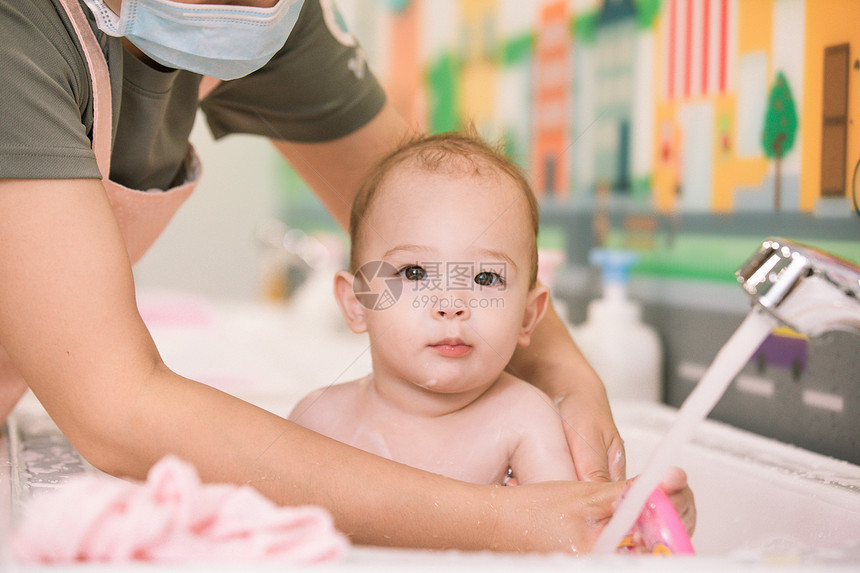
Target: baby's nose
[(450, 308), (449, 313)]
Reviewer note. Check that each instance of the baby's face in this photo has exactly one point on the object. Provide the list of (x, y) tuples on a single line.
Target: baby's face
[(460, 248)]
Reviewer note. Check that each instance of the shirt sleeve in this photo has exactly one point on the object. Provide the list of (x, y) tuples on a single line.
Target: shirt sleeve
[(316, 88), (44, 96)]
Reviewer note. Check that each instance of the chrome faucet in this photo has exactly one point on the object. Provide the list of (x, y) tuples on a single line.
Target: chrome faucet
[(811, 291)]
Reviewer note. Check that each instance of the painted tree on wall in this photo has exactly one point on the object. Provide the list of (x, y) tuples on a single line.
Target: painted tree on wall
[(780, 127)]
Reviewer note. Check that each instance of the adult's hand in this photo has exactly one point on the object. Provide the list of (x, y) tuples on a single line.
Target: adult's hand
[(595, 444), (569, 516)]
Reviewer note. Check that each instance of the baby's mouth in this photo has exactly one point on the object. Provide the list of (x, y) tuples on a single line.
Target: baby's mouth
[(451, 347)]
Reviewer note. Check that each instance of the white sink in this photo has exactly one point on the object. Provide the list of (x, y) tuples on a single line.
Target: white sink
[(753, 494), (760, 502)]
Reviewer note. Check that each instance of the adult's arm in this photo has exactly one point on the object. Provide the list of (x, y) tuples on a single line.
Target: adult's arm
[(69, 321), (335, 169), (552, 362)]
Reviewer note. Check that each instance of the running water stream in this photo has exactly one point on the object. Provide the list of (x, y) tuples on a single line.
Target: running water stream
[(731, 358)]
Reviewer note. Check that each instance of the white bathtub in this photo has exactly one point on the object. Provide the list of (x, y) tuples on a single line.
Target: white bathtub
[(760, 503)]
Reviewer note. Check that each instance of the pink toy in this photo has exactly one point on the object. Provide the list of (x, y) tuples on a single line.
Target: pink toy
[(658, 530)]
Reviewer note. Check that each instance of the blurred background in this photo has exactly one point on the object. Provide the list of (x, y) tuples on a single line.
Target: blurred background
[(683, 131)]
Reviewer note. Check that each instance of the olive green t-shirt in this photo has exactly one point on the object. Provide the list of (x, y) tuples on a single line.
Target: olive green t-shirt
[(316, 88)]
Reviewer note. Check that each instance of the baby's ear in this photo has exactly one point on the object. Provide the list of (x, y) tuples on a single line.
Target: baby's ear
[(351, 308), (536, 305)]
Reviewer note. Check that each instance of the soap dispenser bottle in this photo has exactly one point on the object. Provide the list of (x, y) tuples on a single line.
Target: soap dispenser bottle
[(625, 352)]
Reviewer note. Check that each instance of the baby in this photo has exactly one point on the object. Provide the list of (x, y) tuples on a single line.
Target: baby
[(444, 267)]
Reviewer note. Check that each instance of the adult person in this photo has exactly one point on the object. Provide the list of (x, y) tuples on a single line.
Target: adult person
[(92, 111)]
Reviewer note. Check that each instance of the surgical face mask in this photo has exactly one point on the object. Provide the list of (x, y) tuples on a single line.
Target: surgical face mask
[(225, 42)]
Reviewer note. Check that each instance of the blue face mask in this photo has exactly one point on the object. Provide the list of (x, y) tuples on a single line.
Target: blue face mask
[(225, 42)]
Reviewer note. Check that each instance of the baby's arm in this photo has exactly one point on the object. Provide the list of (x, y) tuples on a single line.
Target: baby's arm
[(541, 452)]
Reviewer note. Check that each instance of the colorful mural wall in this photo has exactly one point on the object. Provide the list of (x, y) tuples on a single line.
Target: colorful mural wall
[(666, 111)]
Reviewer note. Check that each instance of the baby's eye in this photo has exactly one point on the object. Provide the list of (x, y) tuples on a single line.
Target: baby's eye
[(489, 278), (412, 273)]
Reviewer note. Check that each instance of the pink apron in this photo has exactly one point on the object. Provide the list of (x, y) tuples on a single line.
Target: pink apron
[(142, 215)]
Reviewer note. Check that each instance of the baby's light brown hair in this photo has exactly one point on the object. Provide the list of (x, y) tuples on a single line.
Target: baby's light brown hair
[(453, 153)]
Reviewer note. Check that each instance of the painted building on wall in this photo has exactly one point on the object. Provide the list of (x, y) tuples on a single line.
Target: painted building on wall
[(551, 117), (478, 52), (615, 42), (404, 80), (831, 103), (671, 108), (695, 109), (715, 88), (707, 81)]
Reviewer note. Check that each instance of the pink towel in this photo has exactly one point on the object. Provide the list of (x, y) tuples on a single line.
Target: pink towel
[(172, 518)]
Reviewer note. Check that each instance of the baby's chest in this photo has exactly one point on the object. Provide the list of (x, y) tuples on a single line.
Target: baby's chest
[(473, 454)]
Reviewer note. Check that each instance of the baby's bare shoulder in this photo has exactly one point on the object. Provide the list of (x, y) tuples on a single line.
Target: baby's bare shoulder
[(509, 388), (336, 397)]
